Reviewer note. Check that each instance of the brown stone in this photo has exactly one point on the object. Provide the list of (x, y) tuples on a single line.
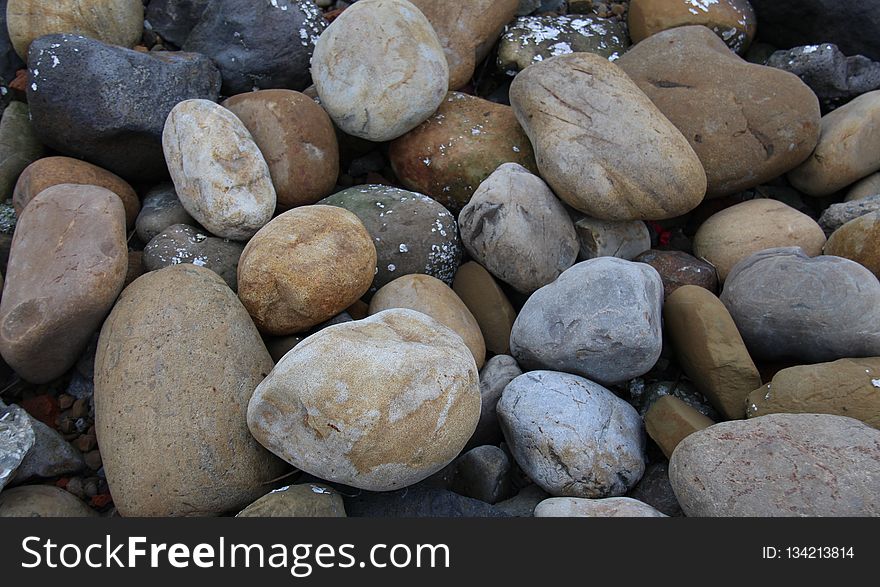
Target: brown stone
[(42, 501), (490, 307), (677, 268), (669, 420), (297, 501), (733, 21), (858, 240), (864, 188)]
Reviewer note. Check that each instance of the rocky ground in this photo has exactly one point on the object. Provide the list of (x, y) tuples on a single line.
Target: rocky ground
[(486, 258)]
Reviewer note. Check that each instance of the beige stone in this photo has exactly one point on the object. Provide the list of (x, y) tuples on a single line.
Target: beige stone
[(610, 507), (864, 188), (858, 240), (308, 500), (733, 21), (490, 307), (609, 238), (669, 421), (42, 501)]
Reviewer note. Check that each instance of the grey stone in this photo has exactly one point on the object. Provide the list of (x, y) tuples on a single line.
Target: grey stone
[(522, 505), (181, 243), (655, 490), (50, 456), (16, 439), (829, 73), (837, 215), (483, 473), (527, 7), (607, 238), (160, 209), (494, 377), (419, 503), (642, 396), (19, 146), (612, 507), (173, 20)]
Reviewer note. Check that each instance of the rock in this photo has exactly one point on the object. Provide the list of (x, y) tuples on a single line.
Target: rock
[(523, 504), (494, 377), (180, 243), (864, 188), (677, 269), (847, 151), (516, 228), (600, 319), (304, 267), (779, 465), (655, 490), (42, 501), (527, 7), (607, 238), (10, 62), (50, 456), (297, 139), (581, 151), (121, 130), (19, 146), (278, 346), (17, 437), (733, 234), (467, 31), (533, 39), (377, 404), (789, 306), (434, 298), (115, 22), (829, 73), (420, 503), (836, 215), (173, 20), (161, 209), (573, 437), (848, 387), (483, 473), (177, 362), (308, 500), (407, 71), (612, 507), (258, 45), (710, 349), (68, 263), (732, 20), (642, 396), (488, 304), (670, 420), (858, 240), (745, 134), (412, 233), (450, 154)]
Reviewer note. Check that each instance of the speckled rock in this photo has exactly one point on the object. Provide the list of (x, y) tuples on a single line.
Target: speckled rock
[(670, 420), (377, 404), (836, 215), (180, 243), (161, 209), (607, 238), (611, 507), (732, 20), (677, 268), (858, 240), (174, 19), (484, 298), (308, 500), (864, 188), (830, 74), (19, 146), (494, 377), (42, 501)]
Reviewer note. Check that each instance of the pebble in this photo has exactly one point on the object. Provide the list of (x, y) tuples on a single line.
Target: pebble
[(611, 507), (180, 243), (836, 215), (422, 502), (655, 490), (677, 268), (864, 188), (642, 396), (609, 238), (732, 20), (17, 437), (50, 456), (494, 377), (19, 146), (670, 420), (42, 501), (829, 73), (858, 240), (486, 301), (161, 208), (483, 473), (308, 500)]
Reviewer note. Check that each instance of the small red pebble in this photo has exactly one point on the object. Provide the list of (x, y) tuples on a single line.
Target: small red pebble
[(42, 407), (20, 81), (101, 500), (62, 483), (663, 236)]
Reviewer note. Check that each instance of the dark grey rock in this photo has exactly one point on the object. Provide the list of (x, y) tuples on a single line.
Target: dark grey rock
[(160, 209), (419, 503), (185, 244), (839, 214), (494, 377), (527, 7), (483, 473), (523, 504), (107, 104), (655, 490), (50, 456), (174, 19), (829, 73)]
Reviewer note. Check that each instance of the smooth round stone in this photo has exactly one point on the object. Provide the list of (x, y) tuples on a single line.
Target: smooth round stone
[(308, 500), (516, 228), (587, 139), (779, 465), (412, 232), (608, 238), (19, 146), (177, 361), (297, 139), (379, 69), (67, 265), (486, 301), (42, 501), (836, 215), (161, 209), (677, 268), (669, 420), (858, 240), (494, 377), (180, 243), (864, 188), (733, 21), (434, 298), (378, 404), (735, 233), (601, 319), (304, 267), (571, 436), (119, 130), (483, 473), (450, 154), (219, 173), (173, 20), (787, 305), (611, 507), (745, 133), (115, 22), (49, 171), (848, 149), (848, 387)]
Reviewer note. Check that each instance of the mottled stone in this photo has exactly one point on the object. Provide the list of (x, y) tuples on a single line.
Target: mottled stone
[(829, 73), (836, 215), (180, 243), (732, 20), (17, 437), (677, 268)]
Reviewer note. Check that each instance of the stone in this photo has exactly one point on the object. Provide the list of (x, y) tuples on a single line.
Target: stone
[(17, 437), (571, 436), (412, 232), (527, 7), (608, 238), (434, 298), (732, 20), (50, 456), (161, 209), (115, 22), (180, 243), (788, 306), (10, 62), (304, 267), (677, 268), (449, 155), (118, 130), (735, 233), (655, 490), (611, 507), (377, 404), (467, 31), (297, 139), (670, 420), (258, 45), (804, 465), (173, 20), (836, 215), (308, 500), (494, 377), (864, 188), (42, 501), (847, 387), (379, 69), (523, 504), (847, 151), (588, 130), (642, 396), (483, 473), (533, 39), (420, 503), (746, 133), (487, 303), (67, 265), (829, 73), (601, 319), (19, 146), (177, 361), (858, 240)]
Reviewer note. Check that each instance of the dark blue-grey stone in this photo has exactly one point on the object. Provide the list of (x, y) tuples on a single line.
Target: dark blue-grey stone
[(419, 503), (173, 20)]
